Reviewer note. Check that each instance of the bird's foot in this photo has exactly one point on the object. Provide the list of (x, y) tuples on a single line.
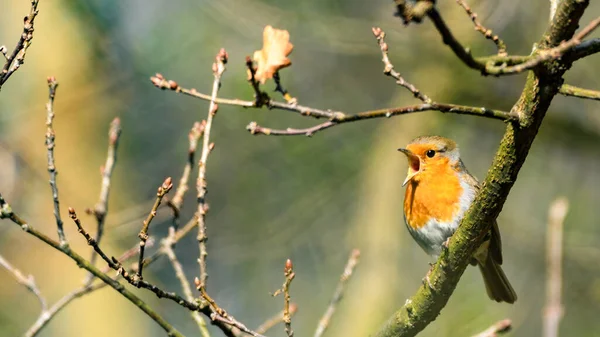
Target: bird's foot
[(426, 279), (446, 244)]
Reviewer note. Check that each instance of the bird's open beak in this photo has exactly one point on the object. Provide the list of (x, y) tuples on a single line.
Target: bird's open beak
[(414, 165)]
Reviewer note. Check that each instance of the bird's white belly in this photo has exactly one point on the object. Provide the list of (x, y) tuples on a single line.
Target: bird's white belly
[(432, 236)]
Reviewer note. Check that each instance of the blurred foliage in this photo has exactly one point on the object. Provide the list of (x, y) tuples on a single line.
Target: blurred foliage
[(309, 199)]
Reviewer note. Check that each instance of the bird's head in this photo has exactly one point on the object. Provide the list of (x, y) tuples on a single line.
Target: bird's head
[(429, 155)]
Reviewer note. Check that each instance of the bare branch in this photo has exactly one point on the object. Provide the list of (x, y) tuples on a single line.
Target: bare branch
[(499, 328), (47, 316), (101, 208), (571, 90), (389, 68), (160, 82), (17, 57), (167, 247), (143, 235), (7, 213), (219, 315), (50, 136), (338, 294), (177, 201), (483, 30), (553, 311), (275, 319), (289, 274), (545, 55), (28, 282), (280, 89), (585, 48), (207, 146), (464, 54), (489, 66), (337, 117), (254, 128)]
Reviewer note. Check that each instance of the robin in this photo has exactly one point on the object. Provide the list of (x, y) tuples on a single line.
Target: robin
[(439, 190)]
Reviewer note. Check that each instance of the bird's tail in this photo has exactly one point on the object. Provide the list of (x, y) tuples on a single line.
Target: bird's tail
[(496, 284)]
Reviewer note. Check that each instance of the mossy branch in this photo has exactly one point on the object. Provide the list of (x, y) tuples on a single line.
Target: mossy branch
[(541, 86)]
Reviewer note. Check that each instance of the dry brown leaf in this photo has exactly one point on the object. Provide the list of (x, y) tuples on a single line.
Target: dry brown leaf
[(273, 55)]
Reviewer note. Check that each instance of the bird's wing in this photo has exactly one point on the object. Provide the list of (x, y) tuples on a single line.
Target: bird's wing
[(495, 248)]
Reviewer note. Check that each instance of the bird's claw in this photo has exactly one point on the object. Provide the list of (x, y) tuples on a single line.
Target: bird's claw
[(446, 243), (426, 279)]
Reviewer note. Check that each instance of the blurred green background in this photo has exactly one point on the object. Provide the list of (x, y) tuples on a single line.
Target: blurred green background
[(272, 198)]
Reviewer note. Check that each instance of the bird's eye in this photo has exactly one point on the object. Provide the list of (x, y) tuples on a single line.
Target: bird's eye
[(430, 153)]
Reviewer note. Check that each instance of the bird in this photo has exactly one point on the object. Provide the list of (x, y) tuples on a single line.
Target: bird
[(439, 191)]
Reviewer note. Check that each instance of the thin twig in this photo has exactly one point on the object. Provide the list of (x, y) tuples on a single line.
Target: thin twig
[(545, 55), (490, 66), (389, 68), (219, 314), (571, 90), (585, 48), (288, 272), (256, 129), (17, 57), (338, 294), (143, 235), (261, 98), (553, 311), (280, 89), (275, 319), (28, 282), (160, 82), (177, 201), (464, 54), (167, 247), (483, 30), (101, 208), (337, 117), (118, 266), (207, 146), (47, 316), (499, 328), (6, 212), (50, 136)]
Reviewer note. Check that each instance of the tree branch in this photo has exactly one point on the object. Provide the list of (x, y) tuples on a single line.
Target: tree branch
[(288, 272), (541, 86), (167, 247), (101, 208), (584, 49), (50, 136), (388, 69), (7, 213), (488, 66), (17, 57), (487, 33), (254, 128), (553, 311), (207, 146), (46, 317), (338, 294), (571, 90), (554, 53), (143, 235), (276, 319), (28, 282), (177, 201)]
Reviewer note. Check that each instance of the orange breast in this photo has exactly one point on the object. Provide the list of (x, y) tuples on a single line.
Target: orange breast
[(433, 193)]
